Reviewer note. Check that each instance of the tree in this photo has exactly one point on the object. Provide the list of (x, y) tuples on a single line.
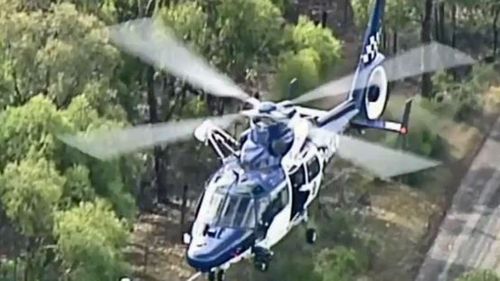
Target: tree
[(480, 275), (77, 187), (30, 129), (397, 17), (112, 179), (308, 35), (89, 242), (304, 66), (426, 37), (166, 95), (249, 33), (30, 191), (55, 53)]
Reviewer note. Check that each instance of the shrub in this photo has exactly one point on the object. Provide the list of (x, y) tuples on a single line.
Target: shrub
[(340, 263)]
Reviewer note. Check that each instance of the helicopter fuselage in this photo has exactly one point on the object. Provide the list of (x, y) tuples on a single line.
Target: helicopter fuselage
[(257, 196)]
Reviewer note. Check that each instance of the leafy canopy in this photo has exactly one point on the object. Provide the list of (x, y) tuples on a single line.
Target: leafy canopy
[(89, 241)]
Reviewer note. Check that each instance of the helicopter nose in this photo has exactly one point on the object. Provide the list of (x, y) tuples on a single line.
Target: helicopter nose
[(214, 250)]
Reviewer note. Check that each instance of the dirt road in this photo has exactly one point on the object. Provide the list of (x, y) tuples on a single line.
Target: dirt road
[(469, 236)]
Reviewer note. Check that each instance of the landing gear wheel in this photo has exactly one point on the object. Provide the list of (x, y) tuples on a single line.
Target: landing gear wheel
[(221, 275), (211, 276), (262, 265), (262, 258), (311, 236)]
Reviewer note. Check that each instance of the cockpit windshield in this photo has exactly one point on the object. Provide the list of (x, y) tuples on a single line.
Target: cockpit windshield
[(237, 212), (235, 207)]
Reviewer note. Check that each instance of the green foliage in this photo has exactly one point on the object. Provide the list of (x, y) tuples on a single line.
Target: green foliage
[(303, 66), (195, 107), (7, 269), (425, 142), (30, 192), (361, 9), (399, 14), (308, 35), (56, 52), (480, 275), (89, 242), (340, 263), (466, 96), (283, 5), (189, 22), (101, 98), (78, 187), (29, 129), (249, 32), (343, 232), (295, 269)]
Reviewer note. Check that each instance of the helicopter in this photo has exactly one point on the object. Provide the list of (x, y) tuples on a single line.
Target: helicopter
[(270, 175)]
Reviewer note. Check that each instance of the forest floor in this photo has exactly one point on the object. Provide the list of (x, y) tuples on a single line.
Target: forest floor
[(402, 219)]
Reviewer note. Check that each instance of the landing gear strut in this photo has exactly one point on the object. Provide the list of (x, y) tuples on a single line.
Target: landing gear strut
[(219, 275), (262, 258), (311, 236)]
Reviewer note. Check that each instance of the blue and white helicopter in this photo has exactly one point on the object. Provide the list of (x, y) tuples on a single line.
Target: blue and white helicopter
[(270, 176)]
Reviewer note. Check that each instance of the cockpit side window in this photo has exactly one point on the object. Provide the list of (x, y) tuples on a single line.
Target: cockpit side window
[(298, 178), (313, 168)]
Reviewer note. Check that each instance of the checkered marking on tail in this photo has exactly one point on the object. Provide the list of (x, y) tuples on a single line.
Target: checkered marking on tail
[(371, 49)]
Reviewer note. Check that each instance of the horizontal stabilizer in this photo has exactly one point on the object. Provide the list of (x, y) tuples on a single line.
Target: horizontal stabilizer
[(397, 127)]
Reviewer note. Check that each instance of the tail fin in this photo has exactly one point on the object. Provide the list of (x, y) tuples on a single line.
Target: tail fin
[(353, 105), (373, 32), (369, 54)]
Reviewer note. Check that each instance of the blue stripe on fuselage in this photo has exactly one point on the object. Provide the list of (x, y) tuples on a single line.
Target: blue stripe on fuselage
[(216, 251)]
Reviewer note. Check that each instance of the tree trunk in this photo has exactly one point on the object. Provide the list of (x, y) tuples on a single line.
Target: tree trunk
[(437, 24), (454, 25), (395, 42), (161, 188), (495, 31), (346, 11), (442, 22), (426, 36)]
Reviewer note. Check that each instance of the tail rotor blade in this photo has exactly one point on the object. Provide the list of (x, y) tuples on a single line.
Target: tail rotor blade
[(155, 44), (108, 144), (382, 161)]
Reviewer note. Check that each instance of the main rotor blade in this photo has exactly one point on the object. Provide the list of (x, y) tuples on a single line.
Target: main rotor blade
[(428, 58), (382, 161), (107, 144), (154, 43)]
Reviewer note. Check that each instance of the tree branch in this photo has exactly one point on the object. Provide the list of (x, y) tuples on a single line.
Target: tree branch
[(16, 88)]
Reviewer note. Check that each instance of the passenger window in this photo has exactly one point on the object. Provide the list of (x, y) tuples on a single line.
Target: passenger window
[(298, 178), (313, 168), (278, 202), (284, 196)]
